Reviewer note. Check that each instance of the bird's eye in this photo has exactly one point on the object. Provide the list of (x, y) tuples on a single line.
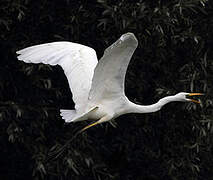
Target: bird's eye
[(187, 96)]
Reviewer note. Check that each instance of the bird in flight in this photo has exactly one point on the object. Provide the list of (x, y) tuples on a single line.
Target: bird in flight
[(97, 86)]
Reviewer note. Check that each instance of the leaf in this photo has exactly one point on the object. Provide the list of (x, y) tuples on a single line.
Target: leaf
[(45, 112), (47, 83), (89, 161), (72, 165), (41, 168), (6, 23), (18, 113), (20, 15), (11, 138), (195, 39)]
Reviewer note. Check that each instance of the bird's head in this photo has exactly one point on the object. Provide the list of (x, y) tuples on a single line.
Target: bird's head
[(188, 97)]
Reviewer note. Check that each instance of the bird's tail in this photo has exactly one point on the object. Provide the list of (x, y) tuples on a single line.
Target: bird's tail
[(68, 115)]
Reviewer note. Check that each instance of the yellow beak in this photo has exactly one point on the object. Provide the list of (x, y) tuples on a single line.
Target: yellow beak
[(195, 94)]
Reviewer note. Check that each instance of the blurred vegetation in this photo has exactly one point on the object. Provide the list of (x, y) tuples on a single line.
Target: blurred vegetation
[(174, 54)]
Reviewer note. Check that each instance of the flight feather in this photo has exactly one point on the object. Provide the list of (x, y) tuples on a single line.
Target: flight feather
[(75, 59)]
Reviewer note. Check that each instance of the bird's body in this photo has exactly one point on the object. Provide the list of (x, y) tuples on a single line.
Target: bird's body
[(97, 86), (120, 106)]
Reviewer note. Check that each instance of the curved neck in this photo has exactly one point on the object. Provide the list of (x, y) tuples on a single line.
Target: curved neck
[(135, 108)]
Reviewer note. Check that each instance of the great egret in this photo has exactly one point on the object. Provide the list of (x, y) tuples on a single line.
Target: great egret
[(97, 87)]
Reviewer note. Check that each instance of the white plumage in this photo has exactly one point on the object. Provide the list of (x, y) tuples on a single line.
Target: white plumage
[(75, 59), (97, 87)]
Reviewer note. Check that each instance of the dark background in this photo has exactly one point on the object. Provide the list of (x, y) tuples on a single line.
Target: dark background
[(174, 54)]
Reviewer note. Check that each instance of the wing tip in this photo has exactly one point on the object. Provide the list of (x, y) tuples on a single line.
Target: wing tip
[(129, 37), (19, 52)]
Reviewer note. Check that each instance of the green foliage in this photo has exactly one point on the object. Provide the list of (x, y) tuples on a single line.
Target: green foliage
[(174, 54)]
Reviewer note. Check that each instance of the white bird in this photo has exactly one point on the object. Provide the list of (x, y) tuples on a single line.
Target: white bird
[(97, 86)]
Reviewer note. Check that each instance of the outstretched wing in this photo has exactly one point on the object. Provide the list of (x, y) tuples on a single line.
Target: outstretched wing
[(78, 62), (109, 75)]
